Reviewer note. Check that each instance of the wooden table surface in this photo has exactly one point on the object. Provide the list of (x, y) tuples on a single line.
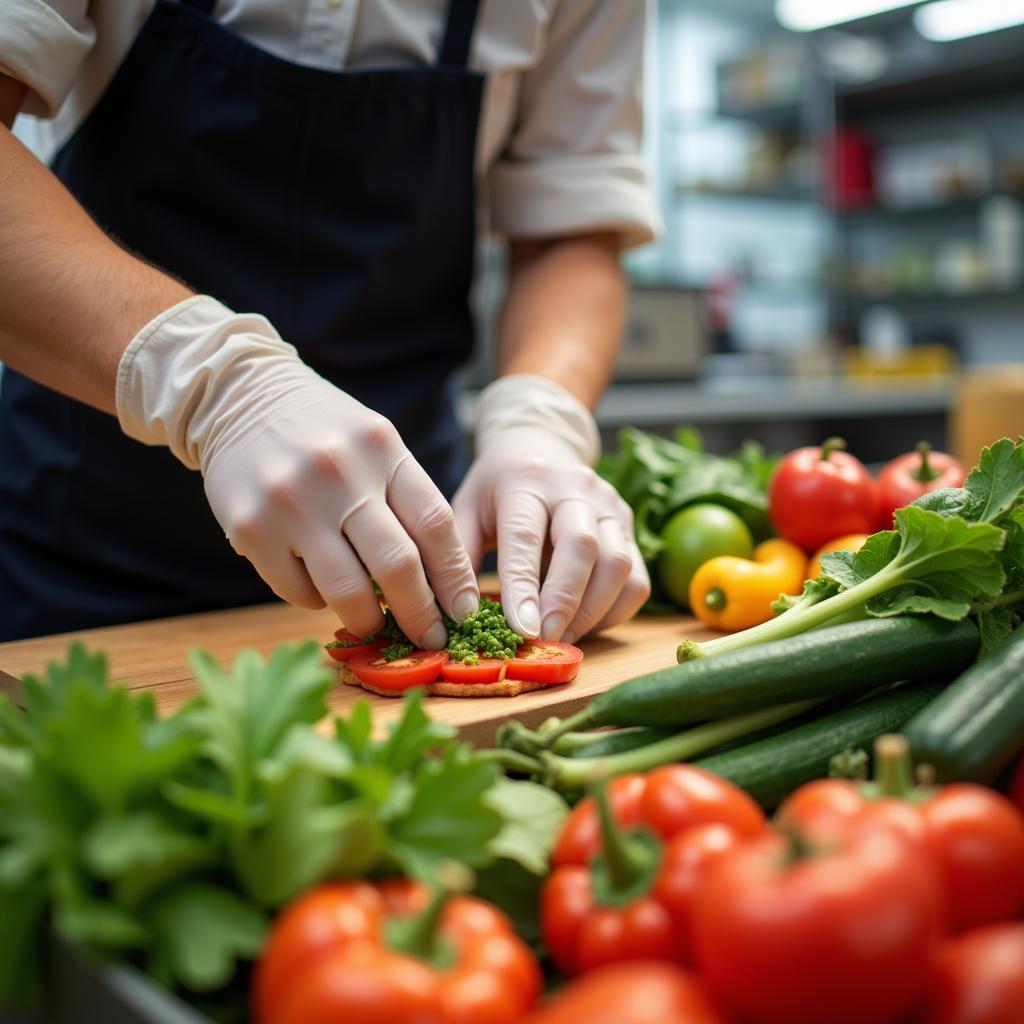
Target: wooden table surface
[(153, 656)]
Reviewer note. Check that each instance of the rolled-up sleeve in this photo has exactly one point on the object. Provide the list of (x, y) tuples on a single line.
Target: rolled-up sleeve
[(573, 160), (43, 44)]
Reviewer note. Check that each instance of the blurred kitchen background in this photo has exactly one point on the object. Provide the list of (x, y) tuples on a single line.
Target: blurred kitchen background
[(842, 188)]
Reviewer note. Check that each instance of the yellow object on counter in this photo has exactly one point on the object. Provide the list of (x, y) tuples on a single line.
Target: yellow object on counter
[(736, 593), (849, 542), (933, 363)]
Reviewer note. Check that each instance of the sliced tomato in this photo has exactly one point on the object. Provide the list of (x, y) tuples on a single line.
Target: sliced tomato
[(415, 669), (487, 670), (354, 645), (543, 661)]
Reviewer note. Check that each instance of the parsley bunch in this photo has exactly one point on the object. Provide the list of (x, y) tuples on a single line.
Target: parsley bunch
[(170, 841)]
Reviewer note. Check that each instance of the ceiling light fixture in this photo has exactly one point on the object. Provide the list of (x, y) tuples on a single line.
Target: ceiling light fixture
[(808, 15), (957, 19)]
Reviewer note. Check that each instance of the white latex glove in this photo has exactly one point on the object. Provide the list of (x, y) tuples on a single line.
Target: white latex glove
[(532, 483), (315, 489)]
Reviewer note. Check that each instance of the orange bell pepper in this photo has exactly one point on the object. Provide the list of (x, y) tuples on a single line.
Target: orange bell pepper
[(737, 593)]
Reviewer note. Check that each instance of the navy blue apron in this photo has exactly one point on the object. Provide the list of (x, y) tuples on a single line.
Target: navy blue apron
[(338, 204)]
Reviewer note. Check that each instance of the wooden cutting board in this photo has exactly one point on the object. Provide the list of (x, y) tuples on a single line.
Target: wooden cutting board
[(153, 656)]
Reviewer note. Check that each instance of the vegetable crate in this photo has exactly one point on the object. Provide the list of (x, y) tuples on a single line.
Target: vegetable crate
[(78, 990)]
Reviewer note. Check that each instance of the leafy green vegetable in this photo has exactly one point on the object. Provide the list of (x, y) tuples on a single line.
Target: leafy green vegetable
[(953, 552), (170, 841), (658, 476), (533, 816)]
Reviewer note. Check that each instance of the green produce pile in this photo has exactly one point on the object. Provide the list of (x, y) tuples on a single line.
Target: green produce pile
[(904, 615), (170, 841), (658, 476)]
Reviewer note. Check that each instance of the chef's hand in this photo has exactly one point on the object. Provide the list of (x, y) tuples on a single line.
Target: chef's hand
[(532, 483), (315, 489)]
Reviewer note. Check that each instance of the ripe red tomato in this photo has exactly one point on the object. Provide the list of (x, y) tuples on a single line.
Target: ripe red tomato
[(545, 662), (972, 835), (353, 645), (844, 934), (907, 477), (631, 993), (679, 796), (977, 837), (687, 861), (486, 670), (818, 494), (415, 669), (979, 978), (314, 924)]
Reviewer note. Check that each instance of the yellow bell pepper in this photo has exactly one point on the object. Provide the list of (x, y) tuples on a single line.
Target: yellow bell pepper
[(736, 593)]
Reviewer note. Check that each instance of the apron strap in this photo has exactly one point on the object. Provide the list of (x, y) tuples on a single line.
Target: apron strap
[(206, 6), (458, 33)]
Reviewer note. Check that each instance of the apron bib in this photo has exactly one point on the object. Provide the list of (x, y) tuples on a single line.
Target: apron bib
[(338, 204)]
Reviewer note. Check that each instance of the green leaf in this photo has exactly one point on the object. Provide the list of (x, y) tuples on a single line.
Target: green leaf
[(91, 922), (947, 501), (307, 836), (995, 625), (996, 484), (101, 742), (412, 736), (848, 568), (202, 931), (814, 592), (121, 844), (448, 816), (532, 816), (47, 697), (244, 715), (355, 732), (211, 805)]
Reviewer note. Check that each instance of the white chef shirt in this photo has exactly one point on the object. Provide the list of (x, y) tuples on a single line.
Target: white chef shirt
[(560, 133)]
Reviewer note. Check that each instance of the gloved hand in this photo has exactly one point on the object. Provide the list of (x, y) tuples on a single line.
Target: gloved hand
[(315, 489), (531, 486)]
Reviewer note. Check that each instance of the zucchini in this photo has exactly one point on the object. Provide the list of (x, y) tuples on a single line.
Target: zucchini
[(851, 658), (973, 730), (771, 768)]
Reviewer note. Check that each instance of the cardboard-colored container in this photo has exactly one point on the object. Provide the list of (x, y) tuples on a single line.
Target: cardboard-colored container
[(989, 404)]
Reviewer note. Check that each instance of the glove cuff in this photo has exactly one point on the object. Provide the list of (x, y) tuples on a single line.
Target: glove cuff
[(174, 369), (526, 401)]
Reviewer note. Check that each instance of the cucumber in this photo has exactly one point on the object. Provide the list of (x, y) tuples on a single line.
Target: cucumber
[(771, 768), (601, 744), (973, 730), (851, 658)]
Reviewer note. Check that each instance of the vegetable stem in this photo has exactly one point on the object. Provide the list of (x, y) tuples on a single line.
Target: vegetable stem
[(624, 860), (832, 444), (893, 776), (924, 473), (846, 606), (715, 599), (511, 760), (568, 773), (418, 935)]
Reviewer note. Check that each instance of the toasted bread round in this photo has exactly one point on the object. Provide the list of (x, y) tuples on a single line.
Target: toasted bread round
[(444, 688)]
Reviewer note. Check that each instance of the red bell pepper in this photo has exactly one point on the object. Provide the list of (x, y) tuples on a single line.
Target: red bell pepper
[(615, 896), (356, 953), (635, 993), (971, 834)]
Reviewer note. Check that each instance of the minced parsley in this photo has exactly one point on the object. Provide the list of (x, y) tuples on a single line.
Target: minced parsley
[(486, 633)]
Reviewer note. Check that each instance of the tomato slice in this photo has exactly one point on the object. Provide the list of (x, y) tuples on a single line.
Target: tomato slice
[(415, 669), (358, 645), (545, 661), (487, 670)]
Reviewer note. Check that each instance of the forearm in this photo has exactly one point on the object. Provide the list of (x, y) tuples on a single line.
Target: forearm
[(564, 312), (70, 298)]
